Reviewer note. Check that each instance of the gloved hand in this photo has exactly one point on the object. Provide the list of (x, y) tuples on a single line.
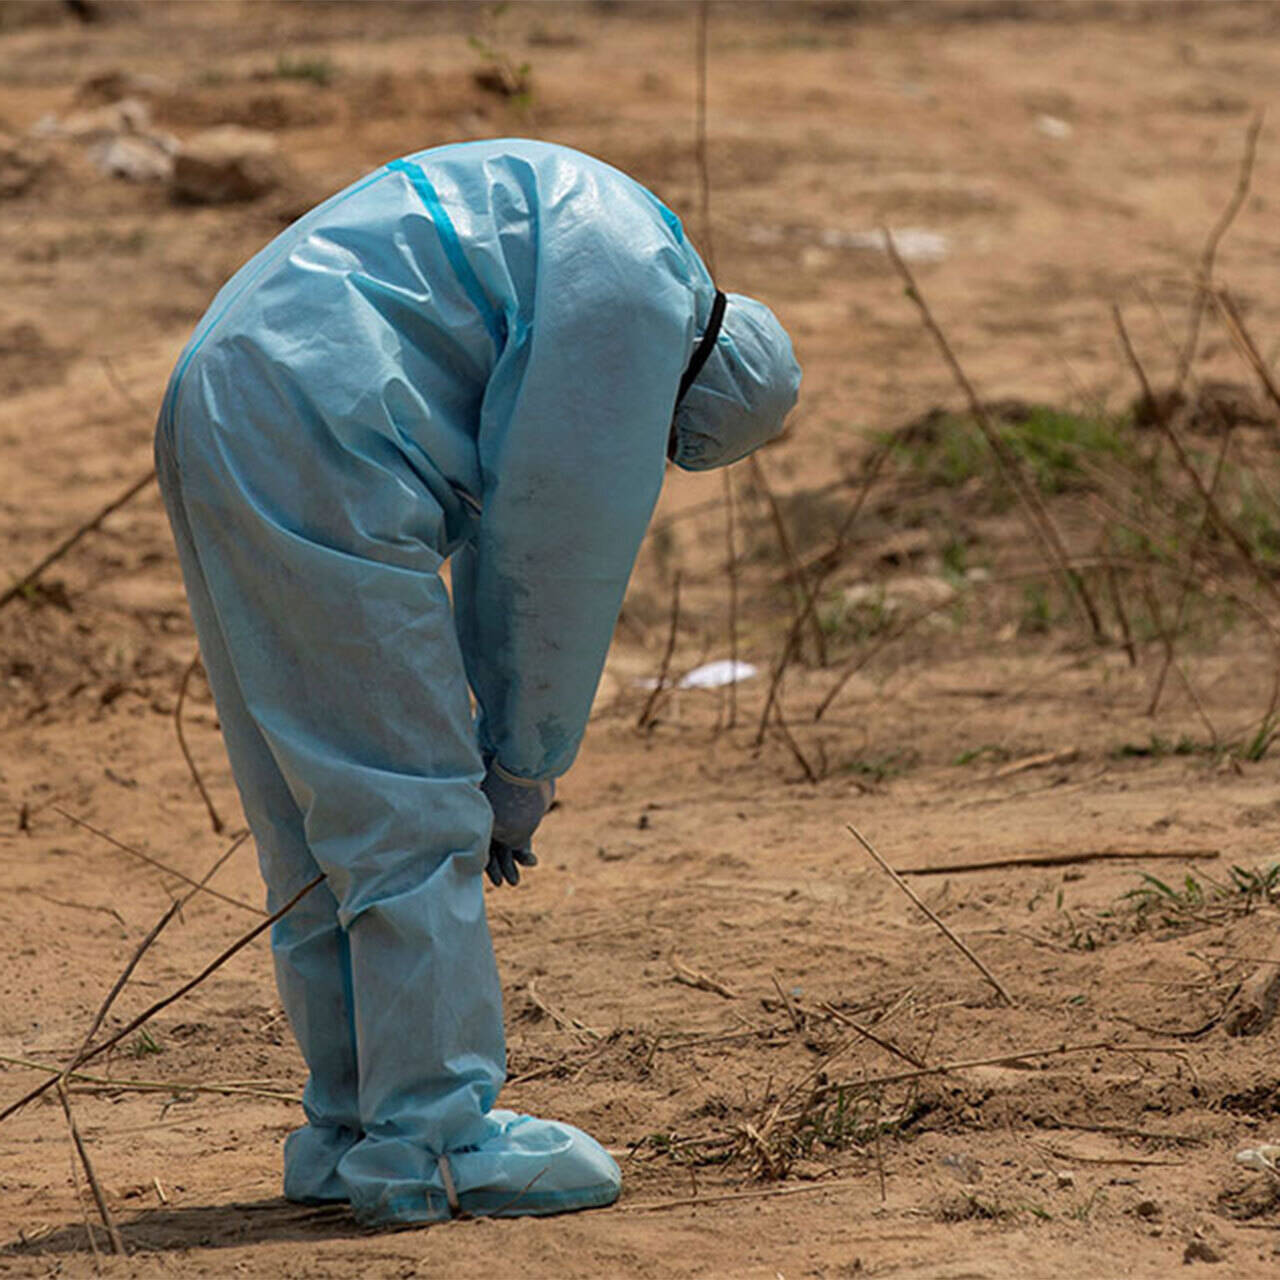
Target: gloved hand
[(503, 859), (518, 804)]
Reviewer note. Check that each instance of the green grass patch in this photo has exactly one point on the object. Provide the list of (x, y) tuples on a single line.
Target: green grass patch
[(319, 69), (1055, 446)]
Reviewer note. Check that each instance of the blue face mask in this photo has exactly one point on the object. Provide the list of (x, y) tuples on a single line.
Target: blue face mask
[(738, 388)]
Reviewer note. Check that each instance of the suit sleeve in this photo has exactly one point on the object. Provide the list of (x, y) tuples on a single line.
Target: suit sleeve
[(572, 449)]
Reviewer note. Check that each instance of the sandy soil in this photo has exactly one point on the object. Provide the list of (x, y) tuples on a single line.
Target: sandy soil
[(1070, 158)]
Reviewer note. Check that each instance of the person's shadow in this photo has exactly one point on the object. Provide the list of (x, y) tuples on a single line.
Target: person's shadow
[(219, 1226)]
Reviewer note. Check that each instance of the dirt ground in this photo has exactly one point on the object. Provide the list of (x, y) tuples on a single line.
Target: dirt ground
[(684, 970)]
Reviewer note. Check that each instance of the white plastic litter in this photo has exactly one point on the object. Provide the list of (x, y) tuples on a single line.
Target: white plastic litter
[(1265, 1159), (914, 244), (711, 675)]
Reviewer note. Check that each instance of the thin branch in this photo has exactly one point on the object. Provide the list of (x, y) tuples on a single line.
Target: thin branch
[(911, 893), (1240, 337), (765, 1193), (832, 561), (1184, 461), (731, 550), (1209, 254), (214, 816), (649, 710), (1039, 522), (794, 570), (700, 139), (147, 1014), (113, 1085), (32, 575), (159, 866), (944, 1068), (887, 1045), (1184, 591), (792, 745), (113, 1232), (173, 909), (1061, 860)]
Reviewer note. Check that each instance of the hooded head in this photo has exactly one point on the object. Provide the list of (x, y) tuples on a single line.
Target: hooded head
[(741, 395)]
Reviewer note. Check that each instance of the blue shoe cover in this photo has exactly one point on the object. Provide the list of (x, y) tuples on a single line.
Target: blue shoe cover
[(525, 1166), (311, 1158)]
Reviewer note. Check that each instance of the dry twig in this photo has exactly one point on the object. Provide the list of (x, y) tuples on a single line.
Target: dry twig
[(214, 816), (160, 866), (648, 712), (147, 1014), (1059, 860), (1039, 522), (911, 893), (104, 1211), (1226, 526), (565, 1021), (1209, 254), (33, 575), (682, 972)]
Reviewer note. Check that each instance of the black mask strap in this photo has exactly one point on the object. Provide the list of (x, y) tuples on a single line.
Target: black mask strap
[(700, 357), (705, 347)]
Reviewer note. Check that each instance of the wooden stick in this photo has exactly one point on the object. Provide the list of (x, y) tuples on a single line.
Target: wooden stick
[(795, 572), (1060, 860), (1184, 461), (113, 1232), (173, 909), (943, 1068), (214, 816), (147, 1014), (911, 893), (792, 745), (160, 866), (566, 1021), (731, 551), (1184, 591), (696, 978), (1037, 517), (886, 1045), (1234, 324), (649, 710), (1064, 756), (1210, 252), (32, 575), (653, 1206), (84, 1213), (791, 647), (100, 1083)]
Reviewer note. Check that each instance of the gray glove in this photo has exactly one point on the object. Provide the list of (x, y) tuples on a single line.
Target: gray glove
[(518, 804), (503, 860)]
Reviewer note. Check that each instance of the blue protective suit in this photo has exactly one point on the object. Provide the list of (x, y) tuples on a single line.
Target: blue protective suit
[(473, 352)]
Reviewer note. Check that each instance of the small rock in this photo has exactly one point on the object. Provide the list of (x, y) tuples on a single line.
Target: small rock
[(225, 165), (1054, 127), (1066, 1179), (135, 157), (1200, 1251), (1148, 1209)]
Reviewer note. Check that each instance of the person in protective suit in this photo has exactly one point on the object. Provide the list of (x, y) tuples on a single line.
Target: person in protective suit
[(484, 352)]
